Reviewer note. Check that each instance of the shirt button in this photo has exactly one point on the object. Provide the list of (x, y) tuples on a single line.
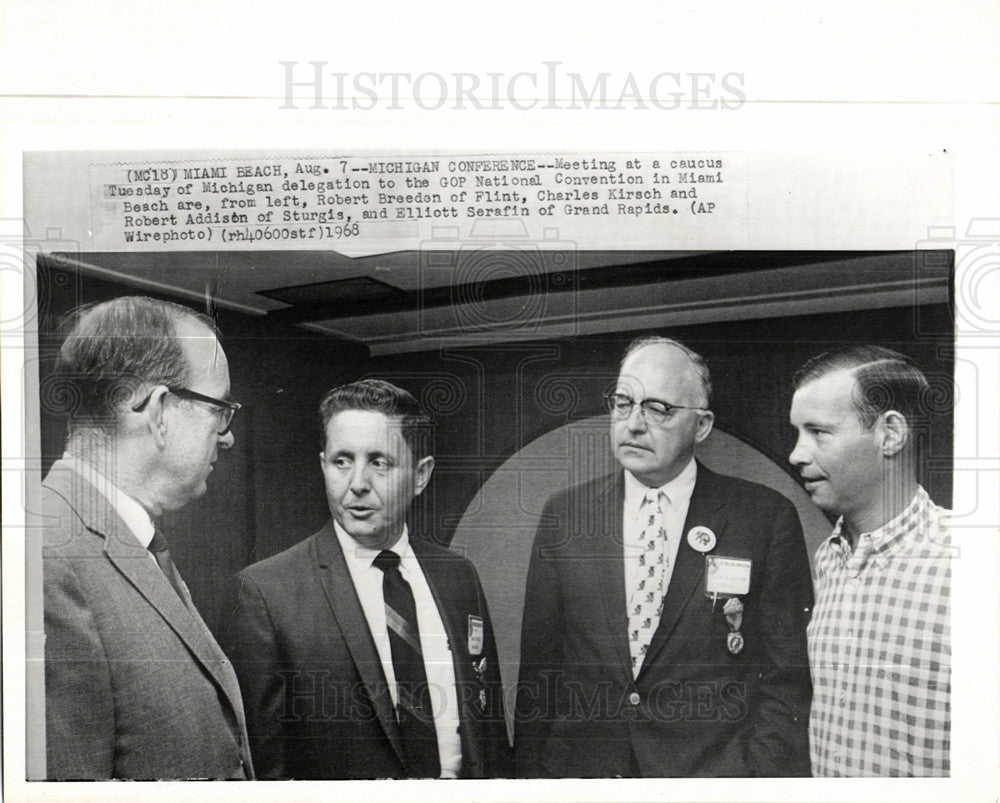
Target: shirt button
[(836, 758), (634, 698)]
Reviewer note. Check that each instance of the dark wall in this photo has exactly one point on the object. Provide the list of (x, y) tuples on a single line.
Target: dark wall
[(487, 402)]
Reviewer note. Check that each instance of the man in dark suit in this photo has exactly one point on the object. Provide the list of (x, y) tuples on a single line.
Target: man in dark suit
[(364, 652), (135, 684), (666, 606)]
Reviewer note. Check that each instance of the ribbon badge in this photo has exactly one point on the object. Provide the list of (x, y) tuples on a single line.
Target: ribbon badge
[(733, 610), (480, 669)]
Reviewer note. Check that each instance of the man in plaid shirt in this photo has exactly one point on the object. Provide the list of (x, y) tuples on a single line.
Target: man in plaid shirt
[(879, 638)]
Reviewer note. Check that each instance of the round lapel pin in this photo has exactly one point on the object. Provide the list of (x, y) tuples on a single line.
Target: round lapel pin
[(701, 539)]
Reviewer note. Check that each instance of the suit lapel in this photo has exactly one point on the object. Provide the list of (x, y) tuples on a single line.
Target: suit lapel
[(180, 614), (136, 565), (220, 668), (605, 541), (346, 609), (705, 509)]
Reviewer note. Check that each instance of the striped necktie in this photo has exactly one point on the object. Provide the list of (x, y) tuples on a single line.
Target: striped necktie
[(416, 716)]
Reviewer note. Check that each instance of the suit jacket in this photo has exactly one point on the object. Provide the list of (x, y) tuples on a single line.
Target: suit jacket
[(317, 700), (135, 684), (695, 709)]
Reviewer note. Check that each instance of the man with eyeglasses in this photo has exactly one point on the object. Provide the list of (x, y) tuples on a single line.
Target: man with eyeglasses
[(666, 605), (135, 685)]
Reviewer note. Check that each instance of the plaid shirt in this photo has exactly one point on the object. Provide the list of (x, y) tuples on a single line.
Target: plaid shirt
[(880, 649)]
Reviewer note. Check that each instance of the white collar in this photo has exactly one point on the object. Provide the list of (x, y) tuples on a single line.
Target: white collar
[(363, 557), (131, 512), (678, 490)]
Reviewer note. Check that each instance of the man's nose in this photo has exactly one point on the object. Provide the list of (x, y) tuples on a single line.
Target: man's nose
[(799, 455), (226, 441), (359, 479), (636, 422)]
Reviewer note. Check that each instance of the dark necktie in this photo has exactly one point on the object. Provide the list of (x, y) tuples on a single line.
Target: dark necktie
[(416, 717), (158, 546)]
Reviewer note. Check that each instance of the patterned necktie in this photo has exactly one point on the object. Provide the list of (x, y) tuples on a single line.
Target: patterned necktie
[(646, 598), (158, 546), (416, 716)]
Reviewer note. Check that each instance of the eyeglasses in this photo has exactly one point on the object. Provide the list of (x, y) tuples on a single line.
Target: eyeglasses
[(653, 411), (226, 409)]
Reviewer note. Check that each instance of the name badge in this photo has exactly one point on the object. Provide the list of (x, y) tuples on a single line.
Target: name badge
[(475, 635), (727, 576)]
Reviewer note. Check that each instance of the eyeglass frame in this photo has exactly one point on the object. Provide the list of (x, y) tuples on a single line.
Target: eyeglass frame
[(644, 409), (230, 407)]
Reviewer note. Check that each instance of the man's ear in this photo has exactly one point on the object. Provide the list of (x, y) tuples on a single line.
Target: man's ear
[(152, 415), (422, 474), (705, 423), (893, 431)]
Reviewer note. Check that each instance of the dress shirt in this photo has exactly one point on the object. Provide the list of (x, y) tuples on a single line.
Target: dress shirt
[(131, 512), (880, 648), (438, 662), (678, 492)]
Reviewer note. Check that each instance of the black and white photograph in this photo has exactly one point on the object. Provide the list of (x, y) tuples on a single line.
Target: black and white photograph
[(609, 475)]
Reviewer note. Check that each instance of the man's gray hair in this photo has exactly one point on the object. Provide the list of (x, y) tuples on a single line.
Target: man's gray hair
[(113, 348), (700, 366)]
